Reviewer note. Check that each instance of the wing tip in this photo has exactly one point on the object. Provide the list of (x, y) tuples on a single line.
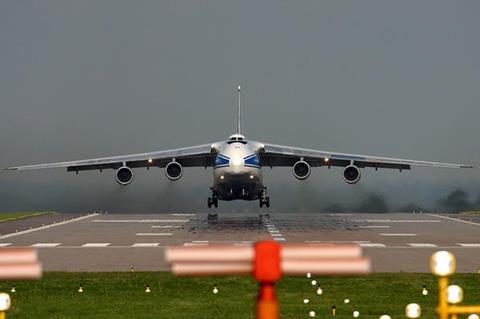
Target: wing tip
[(11, 169)]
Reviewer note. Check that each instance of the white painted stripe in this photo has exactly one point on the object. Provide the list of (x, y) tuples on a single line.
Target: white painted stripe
[(371, 245), (374, 226), (279, 239), (154, 234), (184, 214), (247, 242), (199, 241), (273, 231), (455, 219), (96, 245), (140, 220), (421, 245), (5, 244), (47, 226), (468, 245), (337, 241), (340, 214), (195, 244), (398, 220), (276, 235), (40, 245), (166, 226), (391, 234), (145, 245)]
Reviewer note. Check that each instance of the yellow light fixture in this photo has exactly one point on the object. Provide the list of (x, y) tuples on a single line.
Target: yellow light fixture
[(312, 314), (306, 301), (385, 317), (454, 294), (473, 316), (356, 314), (80, 289), (147, 289), (215, 289), (4, 301)]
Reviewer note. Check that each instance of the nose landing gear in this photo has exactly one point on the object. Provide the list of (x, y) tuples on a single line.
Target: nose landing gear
[(264, 199), (213, 200)]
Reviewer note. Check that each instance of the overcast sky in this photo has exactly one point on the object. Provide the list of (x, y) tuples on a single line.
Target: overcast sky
[(81, 79)]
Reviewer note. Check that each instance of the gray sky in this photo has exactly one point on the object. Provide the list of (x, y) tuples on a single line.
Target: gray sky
[(81, 79)]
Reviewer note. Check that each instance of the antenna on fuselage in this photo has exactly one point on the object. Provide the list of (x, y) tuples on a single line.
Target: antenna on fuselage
[(239, 115)]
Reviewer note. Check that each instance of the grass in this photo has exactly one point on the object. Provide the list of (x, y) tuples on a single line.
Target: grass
[(5, 217), (121, 295)]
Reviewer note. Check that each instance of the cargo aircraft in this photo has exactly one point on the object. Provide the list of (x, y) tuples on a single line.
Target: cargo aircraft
[(237, 164)]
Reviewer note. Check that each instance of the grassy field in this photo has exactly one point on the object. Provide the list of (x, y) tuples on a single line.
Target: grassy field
[(121, 295), (4, 217)]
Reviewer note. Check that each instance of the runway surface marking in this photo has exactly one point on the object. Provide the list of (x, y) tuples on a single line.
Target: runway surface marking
[(398, 220), (340, 214), (199, 241), (421, 245), (455, 219), (140, 220), (166, 226), (337, 241), (272, 229), (468, 245), (371, 245), (5, 244), (145, 245), (46, 245), (47, 226), (96, 245), (154, 234), (374, 226), (184, 215), (399, 235)]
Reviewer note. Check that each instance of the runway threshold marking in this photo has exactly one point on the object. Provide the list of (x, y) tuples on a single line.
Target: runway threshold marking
[(374, 226), (45, 245), (398, 220), (140, 220), (337, 241), (5, 244), (145, 245), (23, 232), (371, 245), (455, 219), (96, 245), (468, 245), (154, 234), (184, 214), (166, 226), (272, 230), (399, 235)]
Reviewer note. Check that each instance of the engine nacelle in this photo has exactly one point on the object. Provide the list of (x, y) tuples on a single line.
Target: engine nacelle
[(124, 175), (301, 170), (351, 174), (174, 171)]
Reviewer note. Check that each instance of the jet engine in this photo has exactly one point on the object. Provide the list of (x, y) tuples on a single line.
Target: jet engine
[(351, 174), (124, 175), (301, 170), (173, 170)]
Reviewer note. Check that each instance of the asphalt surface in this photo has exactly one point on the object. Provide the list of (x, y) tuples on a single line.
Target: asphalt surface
[(98, 242)]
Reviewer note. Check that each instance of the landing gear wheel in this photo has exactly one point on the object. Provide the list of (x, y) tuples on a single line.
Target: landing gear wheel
[(267, 201), (215, 202), (210, 203)]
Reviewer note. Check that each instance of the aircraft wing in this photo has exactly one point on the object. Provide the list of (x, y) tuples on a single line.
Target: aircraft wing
[(193, 156), (279, 155)]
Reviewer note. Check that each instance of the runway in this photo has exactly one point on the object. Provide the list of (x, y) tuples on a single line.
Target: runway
[(104, 242)]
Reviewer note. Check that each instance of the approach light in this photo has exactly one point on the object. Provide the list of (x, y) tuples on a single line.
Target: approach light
[(319, 290), (413, 310), (356, 314), (326, 160), (312, 314), (14, 289), (222, 177), (306, 301), (442, 263), (309, 275), (385, 317), (473, 316), (314, 282), (424, 290), (147, 289), (150, 161), (4, 301), (80, 289), (252, 177), (215, 289), (454, 294)]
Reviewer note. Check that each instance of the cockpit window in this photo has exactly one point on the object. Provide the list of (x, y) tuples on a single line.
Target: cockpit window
[(237, 139)]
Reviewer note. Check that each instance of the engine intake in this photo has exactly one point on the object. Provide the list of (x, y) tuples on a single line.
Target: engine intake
[(124, 175), (351, 174), (301, 170), (174, 171)]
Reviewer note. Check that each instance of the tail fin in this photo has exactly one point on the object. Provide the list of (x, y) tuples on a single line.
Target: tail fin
[(239, 115)]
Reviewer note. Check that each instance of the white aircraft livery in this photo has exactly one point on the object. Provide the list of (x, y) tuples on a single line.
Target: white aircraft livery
[(237, 164)]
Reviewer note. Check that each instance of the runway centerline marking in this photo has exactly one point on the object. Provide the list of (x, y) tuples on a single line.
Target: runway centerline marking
[(23, 232), (371, 245), (386, 221), (166, 226), (145, 245), (468, 245), (184, 215), (95, 245), (374, 226), (40, 245), (154, 234), (455, 219), (423, 245), (5, 244), (391, 234), (140, 220)]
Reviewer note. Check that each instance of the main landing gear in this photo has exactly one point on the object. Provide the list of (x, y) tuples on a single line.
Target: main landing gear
[(264, 199), (213, 200)]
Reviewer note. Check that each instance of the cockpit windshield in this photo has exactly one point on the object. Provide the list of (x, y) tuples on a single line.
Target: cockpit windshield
[(237, 138)]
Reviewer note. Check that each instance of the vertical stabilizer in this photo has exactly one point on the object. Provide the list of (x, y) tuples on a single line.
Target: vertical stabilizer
[(239, 115)]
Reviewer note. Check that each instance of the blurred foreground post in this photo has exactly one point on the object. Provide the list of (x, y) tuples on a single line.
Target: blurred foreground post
[(17, 263), (267, 261)]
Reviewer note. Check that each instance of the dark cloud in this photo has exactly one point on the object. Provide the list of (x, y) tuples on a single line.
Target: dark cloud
[(456, 201)]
